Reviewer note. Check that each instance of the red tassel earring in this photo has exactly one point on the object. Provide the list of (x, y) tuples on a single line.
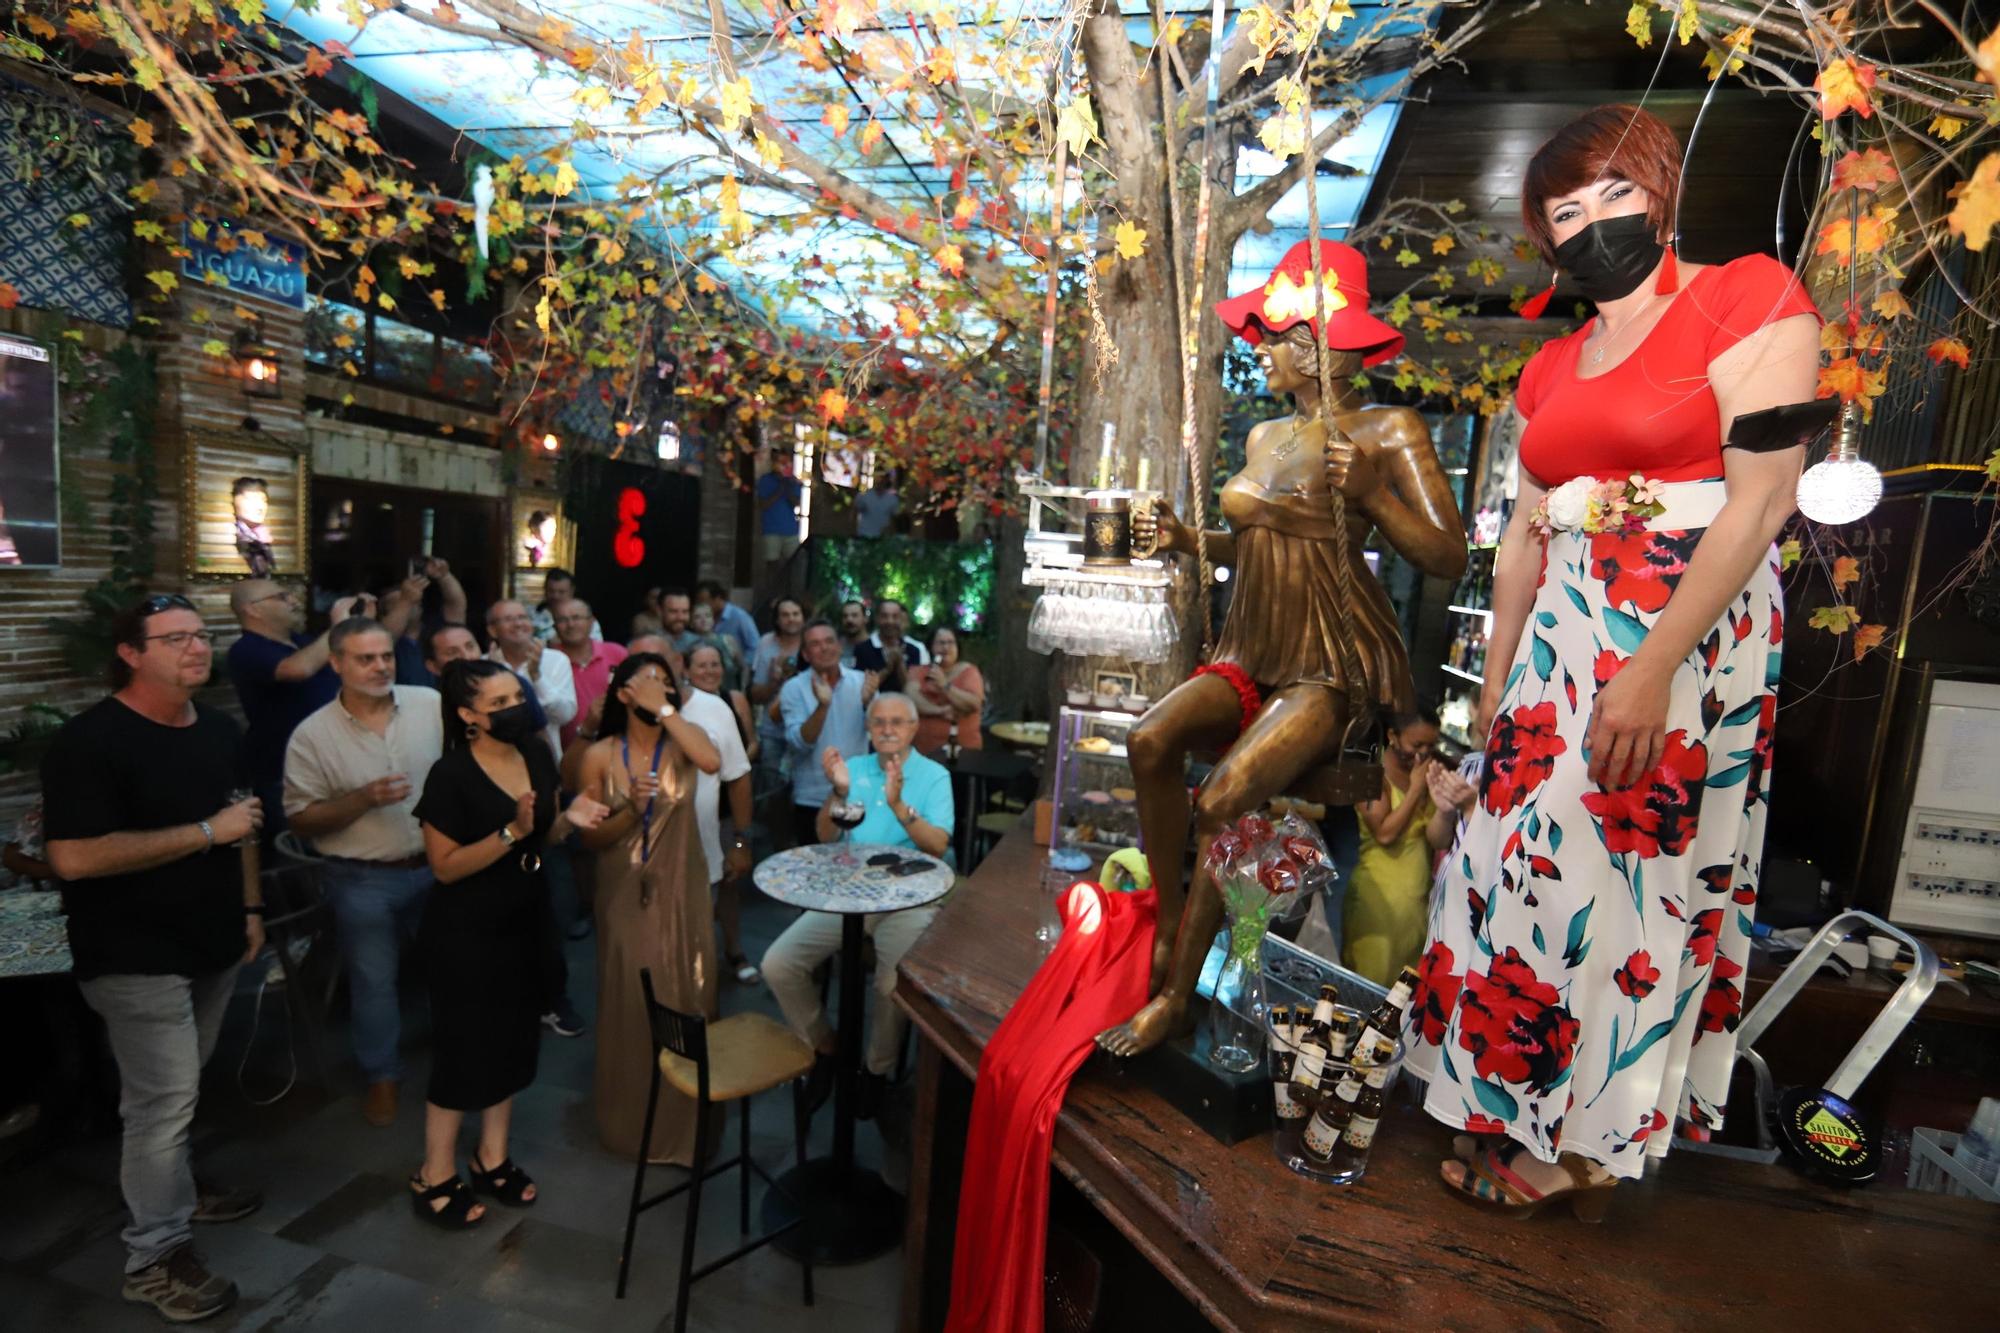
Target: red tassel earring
[(1670, 276), (1533, 307)]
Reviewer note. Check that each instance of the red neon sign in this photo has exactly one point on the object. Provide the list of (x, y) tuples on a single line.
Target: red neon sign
[(628, 548)]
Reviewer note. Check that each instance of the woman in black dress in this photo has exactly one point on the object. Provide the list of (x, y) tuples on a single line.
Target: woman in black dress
[(488, 808)]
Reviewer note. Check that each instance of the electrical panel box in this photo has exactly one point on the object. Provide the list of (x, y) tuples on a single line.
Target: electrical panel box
[(1948, 877)]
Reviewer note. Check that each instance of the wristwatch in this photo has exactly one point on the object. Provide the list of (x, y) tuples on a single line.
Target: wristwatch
[(507, 838)]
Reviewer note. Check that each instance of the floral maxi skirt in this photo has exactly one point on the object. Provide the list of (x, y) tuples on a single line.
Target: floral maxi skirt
[(1583, 979)]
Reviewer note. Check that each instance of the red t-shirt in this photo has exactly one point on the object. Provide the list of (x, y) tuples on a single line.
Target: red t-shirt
[(1653, 412)]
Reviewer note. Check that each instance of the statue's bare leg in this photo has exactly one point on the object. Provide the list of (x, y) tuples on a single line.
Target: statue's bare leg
[(1298, 729), (1198, 714)]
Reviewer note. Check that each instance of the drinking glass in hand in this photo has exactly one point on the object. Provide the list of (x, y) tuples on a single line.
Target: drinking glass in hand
[(238, 795)]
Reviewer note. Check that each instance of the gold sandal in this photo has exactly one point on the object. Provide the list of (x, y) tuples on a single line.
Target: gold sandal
[(1506, 1192)]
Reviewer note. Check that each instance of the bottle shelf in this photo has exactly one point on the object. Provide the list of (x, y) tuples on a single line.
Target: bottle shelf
[(1463, 675)]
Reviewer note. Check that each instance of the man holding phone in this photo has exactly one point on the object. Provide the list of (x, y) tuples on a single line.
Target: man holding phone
[(403, 614), (158, 863), (353, 773), (281, 677)]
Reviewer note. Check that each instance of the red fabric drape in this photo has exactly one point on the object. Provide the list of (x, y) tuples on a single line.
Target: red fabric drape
[(1096, 977)]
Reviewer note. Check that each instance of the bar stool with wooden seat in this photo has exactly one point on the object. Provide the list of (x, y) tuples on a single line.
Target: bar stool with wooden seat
[(730, 1060)]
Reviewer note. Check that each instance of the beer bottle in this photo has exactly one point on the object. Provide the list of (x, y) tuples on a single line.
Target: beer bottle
[(1281, 1024), (1285, 1056), (1308, 1064), (1341, 1038), (1388, 1015), (1323, 1014), (1359, 1131), (1330, 1121)]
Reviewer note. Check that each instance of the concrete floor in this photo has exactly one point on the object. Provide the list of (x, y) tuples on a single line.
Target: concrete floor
[(335, 1245)]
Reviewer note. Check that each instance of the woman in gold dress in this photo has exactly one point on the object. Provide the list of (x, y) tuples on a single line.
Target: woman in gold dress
[(652, 898), (1276, 695)]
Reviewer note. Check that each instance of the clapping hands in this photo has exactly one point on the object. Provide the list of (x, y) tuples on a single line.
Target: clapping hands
[(587, 812), (834, 766), (1450, 791)]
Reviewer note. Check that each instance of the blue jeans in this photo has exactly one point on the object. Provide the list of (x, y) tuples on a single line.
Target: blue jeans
[(162, 1031), (375, 909)]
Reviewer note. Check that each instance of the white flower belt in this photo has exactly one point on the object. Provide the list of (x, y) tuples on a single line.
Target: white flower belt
[(1629, 504)]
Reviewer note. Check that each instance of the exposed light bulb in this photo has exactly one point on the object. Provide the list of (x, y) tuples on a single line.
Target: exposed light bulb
[(1843, 486), (1839, 490), (1222, 573), (551, 442)]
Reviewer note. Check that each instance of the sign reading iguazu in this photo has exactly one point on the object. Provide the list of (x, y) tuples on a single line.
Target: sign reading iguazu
[(247, 263)]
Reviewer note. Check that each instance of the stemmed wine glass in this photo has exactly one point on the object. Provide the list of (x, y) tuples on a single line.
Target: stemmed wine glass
[(846, 815)]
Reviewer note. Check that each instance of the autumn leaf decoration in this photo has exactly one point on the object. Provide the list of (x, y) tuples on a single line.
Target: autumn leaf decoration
[(1844, 86), (1842, 618)]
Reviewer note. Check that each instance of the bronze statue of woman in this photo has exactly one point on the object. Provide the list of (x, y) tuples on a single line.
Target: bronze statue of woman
[(1275, 698)]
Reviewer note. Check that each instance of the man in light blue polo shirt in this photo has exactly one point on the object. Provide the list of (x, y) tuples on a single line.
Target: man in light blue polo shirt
[(823, 706), (908, 803)]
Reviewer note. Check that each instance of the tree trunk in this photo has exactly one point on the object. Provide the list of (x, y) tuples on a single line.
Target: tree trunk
[(1142, 394)]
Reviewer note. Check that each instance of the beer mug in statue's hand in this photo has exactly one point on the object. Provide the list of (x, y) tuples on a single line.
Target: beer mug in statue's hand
[(1155, 529)]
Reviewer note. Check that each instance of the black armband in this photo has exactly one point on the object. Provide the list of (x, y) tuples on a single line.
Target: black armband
[(1784, 427)]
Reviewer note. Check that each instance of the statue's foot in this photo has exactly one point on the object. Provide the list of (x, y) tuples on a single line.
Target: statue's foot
[(1164, 1016)]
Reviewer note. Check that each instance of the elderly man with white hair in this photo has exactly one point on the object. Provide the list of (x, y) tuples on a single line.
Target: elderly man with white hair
[(907, 802)]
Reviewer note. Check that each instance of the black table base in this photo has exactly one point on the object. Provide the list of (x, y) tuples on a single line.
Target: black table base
[(851, 1214)]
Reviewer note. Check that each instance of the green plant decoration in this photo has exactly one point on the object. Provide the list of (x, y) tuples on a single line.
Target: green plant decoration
[(24, 744), (120, 412), (942, 583)]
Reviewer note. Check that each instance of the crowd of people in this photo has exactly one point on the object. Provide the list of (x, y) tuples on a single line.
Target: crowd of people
[(478, 801)]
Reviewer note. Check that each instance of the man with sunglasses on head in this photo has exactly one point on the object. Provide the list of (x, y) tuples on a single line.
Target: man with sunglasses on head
[(281, 678), (159, 872)]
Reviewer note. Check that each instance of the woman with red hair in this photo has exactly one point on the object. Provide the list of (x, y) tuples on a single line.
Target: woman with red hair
[(1590, 931)]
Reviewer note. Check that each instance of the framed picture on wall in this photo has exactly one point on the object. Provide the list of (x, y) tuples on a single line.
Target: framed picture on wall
[(542, 535), (1115, 684), (243, 507), (30, 526)]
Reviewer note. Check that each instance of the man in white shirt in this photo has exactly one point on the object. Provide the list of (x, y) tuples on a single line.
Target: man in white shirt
[(545, 669), (705, 708), (354, 770)]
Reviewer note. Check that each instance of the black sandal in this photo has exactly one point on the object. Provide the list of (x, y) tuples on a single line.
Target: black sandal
[(456, 1215), (505, 1182)]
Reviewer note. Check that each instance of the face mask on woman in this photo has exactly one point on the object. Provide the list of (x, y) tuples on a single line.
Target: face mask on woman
[(1610, 257), (512, 725)]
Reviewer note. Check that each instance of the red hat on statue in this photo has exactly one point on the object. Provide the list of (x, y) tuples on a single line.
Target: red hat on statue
[(1286, 298)]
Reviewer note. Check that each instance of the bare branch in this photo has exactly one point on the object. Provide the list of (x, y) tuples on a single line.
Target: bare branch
[(1238, 214)]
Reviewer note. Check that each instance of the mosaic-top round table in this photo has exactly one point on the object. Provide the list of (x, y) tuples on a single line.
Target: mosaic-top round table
[(851, 1215)]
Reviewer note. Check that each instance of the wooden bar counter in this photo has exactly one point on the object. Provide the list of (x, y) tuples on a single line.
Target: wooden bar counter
[(1701, 1243)]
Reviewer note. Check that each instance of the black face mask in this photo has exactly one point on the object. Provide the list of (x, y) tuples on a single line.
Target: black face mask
[(1610, 258), (511, 725)]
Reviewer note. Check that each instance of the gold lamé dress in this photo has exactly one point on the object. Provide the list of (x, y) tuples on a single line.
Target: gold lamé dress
[(1285, 620), (653, 915)]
